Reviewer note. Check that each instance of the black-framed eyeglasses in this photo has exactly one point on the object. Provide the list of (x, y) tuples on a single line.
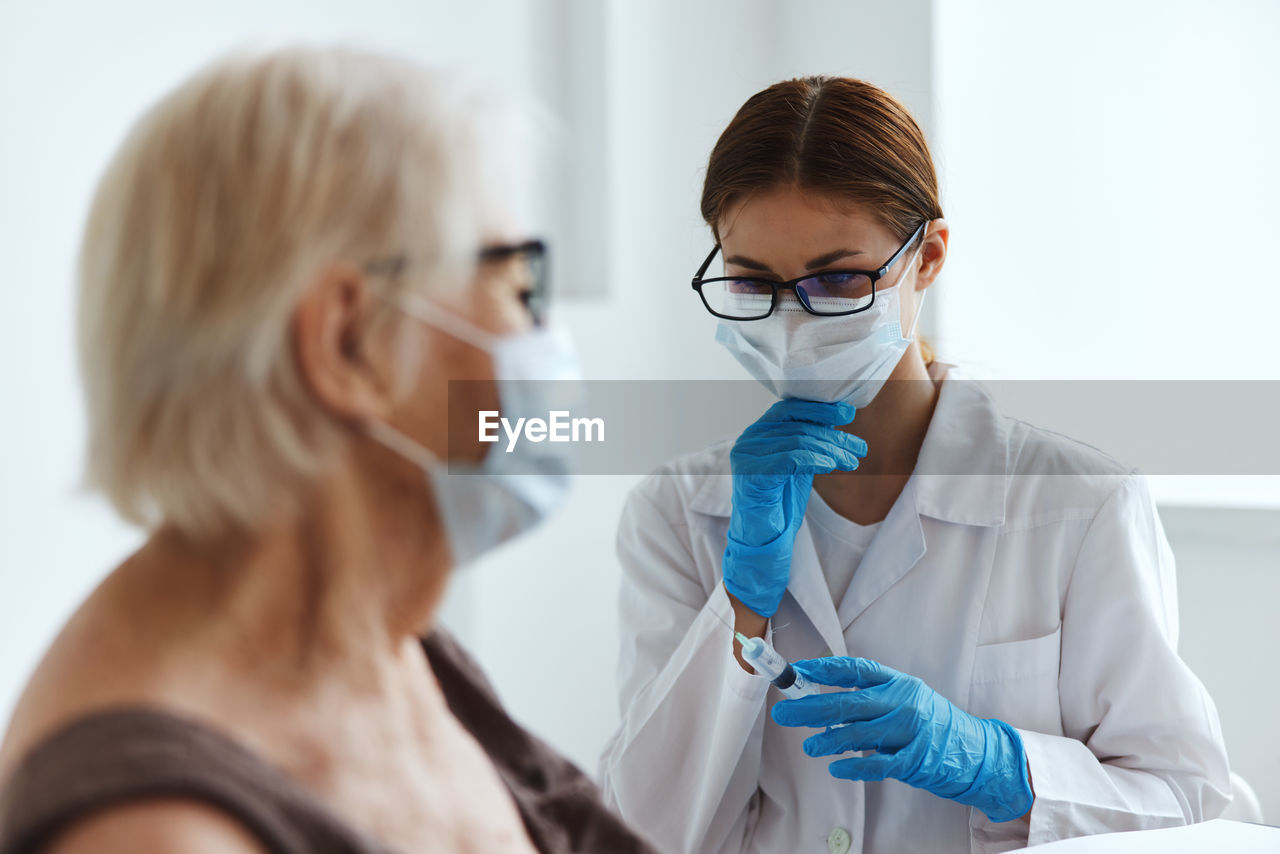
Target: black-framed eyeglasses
[(531, 253), (832, 293)]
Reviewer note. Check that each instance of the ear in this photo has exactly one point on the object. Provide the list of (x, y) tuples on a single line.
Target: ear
[(933, 253), (328, 329)]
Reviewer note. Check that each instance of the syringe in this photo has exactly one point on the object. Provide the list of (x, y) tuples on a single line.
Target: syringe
[(766, 661)]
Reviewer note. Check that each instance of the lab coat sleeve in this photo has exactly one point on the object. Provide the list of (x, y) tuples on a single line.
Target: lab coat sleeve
[(684, 765), (1143, 747)]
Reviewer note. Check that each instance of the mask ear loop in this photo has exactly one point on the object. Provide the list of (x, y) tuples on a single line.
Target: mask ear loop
[(448, 322), (407, 448), (911, 333), (915, 318)]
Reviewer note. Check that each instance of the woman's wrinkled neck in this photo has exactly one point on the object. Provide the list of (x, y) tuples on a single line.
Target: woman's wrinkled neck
[(351, 579)]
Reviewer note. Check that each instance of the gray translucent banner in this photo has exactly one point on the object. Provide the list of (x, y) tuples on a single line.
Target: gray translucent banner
[(636, 426)]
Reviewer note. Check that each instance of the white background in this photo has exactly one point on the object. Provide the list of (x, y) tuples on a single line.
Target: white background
[(1108, 174)]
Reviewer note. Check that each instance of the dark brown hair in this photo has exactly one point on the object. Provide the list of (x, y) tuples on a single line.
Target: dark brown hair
[(837, 136)]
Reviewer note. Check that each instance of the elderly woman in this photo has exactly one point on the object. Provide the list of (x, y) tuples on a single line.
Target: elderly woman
[(284, 266)]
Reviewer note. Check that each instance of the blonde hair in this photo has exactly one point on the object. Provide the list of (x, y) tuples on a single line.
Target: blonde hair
[(223, 203)]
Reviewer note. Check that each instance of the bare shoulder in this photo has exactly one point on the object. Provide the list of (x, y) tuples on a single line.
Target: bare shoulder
[(159, 827), (104, 656)]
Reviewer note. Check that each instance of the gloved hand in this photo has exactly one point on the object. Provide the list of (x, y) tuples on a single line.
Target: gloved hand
[(921, 738), (773, 463)]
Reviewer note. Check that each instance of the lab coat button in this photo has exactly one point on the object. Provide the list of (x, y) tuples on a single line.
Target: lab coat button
[(838, 841)]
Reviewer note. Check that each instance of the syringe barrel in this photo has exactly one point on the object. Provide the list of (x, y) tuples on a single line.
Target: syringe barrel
[(763, 658), (793, 685)]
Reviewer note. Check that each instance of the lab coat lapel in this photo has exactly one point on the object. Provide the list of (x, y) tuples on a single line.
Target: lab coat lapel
[(808, 586), (959, 478), (895, 549)]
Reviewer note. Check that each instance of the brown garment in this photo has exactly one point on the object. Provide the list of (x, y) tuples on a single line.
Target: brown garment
[(135, 753)]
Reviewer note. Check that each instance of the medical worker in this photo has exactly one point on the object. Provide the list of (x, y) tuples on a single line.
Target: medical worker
[(992, 606)]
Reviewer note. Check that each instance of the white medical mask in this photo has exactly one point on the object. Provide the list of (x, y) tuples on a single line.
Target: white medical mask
[(482, 505), (835, 359)]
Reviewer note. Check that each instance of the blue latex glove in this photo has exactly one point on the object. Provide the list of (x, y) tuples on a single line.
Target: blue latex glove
[(920, 737), (773, 463)]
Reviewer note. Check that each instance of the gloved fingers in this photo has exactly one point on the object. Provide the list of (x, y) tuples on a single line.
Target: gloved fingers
[(859, 735), (845, 672), (875, 767), (832, 442), (795, 459), (813, 411), (783, 456), (766, 488), (762, 435), (821, 710)]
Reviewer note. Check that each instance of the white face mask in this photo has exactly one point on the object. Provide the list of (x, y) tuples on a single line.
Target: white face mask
[(482, 505), (834, 359)]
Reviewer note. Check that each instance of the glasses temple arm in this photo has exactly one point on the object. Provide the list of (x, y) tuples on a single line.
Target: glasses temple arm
[(903, 248), (697, 277)]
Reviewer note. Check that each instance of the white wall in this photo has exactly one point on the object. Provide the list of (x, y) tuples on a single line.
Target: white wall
[(73, 75), (1228, 586), (1110, 173)]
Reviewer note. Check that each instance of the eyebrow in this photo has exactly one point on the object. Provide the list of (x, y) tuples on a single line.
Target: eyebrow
[(820, 261)]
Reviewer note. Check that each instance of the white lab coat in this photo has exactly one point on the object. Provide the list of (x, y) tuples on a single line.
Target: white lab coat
[(1042, 594)]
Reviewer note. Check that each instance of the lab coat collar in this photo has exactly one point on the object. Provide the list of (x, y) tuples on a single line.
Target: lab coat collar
[(961, 475), (808, 586)]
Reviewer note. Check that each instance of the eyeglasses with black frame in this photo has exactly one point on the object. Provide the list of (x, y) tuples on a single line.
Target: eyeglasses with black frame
[(826, 294), (532, 253)]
